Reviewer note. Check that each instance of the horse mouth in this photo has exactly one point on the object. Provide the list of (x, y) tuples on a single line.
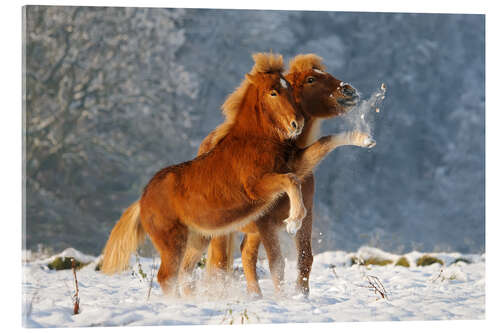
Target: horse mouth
[(348, 101), (294, 132)]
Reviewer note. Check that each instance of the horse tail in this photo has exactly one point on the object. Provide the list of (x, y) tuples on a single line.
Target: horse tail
[(124, 239), (229, 250)]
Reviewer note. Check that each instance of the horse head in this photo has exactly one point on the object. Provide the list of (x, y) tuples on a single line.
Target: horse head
[(317, 92), (268, 100), (277, 106)]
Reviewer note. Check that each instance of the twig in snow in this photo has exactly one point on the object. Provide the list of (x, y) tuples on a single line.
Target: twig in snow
[(332, 266), (376, 286), (76, 298), (34, 299), (140, 273), (153, 271), (440, 275), (244, 316)]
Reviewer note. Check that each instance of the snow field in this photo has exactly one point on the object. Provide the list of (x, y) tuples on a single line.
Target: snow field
[(339, 292)]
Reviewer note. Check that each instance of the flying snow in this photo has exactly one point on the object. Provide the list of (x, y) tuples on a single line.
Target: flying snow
[(359, 117)]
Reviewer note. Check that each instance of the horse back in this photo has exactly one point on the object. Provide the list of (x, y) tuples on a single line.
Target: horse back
[(209, 191)]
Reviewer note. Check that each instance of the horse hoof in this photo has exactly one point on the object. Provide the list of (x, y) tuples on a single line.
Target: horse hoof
[(300, 296), (369, 142), (255, 295), (186, 290)]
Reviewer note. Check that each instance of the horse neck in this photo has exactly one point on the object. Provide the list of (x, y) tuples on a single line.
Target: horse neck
[(311, 131)]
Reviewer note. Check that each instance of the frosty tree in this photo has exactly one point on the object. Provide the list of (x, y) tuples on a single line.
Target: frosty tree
[(105, 103)]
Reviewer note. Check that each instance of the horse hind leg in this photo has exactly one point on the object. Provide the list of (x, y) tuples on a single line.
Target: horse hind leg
[(219, 255), (269, 235), (196, 245), (171, 245)]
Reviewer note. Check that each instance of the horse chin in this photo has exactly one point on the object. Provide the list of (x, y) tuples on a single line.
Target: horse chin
[(347, 108), (336, 106), (348, 103), (294, 135)]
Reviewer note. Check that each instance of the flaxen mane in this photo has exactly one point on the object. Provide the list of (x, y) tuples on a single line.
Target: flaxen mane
[(304, 62), (264, 63)]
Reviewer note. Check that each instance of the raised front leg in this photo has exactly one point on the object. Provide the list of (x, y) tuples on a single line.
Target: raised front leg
[(272, 185), (308, 158)]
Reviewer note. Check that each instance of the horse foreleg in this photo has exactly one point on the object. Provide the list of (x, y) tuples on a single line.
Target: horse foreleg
[(271, 185), (249, 254), (303, 239), (196, 245), (308, 158), (304, 254)]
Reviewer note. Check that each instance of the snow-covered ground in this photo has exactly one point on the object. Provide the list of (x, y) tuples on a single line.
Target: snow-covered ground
[(342, 293)]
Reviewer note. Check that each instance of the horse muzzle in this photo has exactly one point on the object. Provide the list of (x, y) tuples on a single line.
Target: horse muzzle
[(349, 96), (295, 128)]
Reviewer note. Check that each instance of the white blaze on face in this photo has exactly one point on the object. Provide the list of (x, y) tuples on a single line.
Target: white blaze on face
[(343, 84), (283, 83), (318, 71)]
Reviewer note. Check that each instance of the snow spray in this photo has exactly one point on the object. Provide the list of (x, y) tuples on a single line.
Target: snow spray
[(359, 118)]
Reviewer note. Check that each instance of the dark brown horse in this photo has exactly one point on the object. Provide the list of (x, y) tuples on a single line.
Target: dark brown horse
[(319, 95), (224, 189)]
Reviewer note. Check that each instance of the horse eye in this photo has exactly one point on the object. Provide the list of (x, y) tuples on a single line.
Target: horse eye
[(274, 93), (311, 79)]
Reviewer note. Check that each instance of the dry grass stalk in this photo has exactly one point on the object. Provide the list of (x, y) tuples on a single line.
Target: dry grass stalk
[(244, 316), (35, 298), (332, 266), (376, 286), (440, 275), (153, 273), (76, 297)]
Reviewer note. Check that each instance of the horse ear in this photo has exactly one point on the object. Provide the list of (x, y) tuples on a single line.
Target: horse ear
[(250, 78)]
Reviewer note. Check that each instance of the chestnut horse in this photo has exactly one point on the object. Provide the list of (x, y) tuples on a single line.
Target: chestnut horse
[(319, 95), (217, 193)]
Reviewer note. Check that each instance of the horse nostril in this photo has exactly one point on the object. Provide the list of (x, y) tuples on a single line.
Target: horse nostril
[(294, 124), (348, 91)]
